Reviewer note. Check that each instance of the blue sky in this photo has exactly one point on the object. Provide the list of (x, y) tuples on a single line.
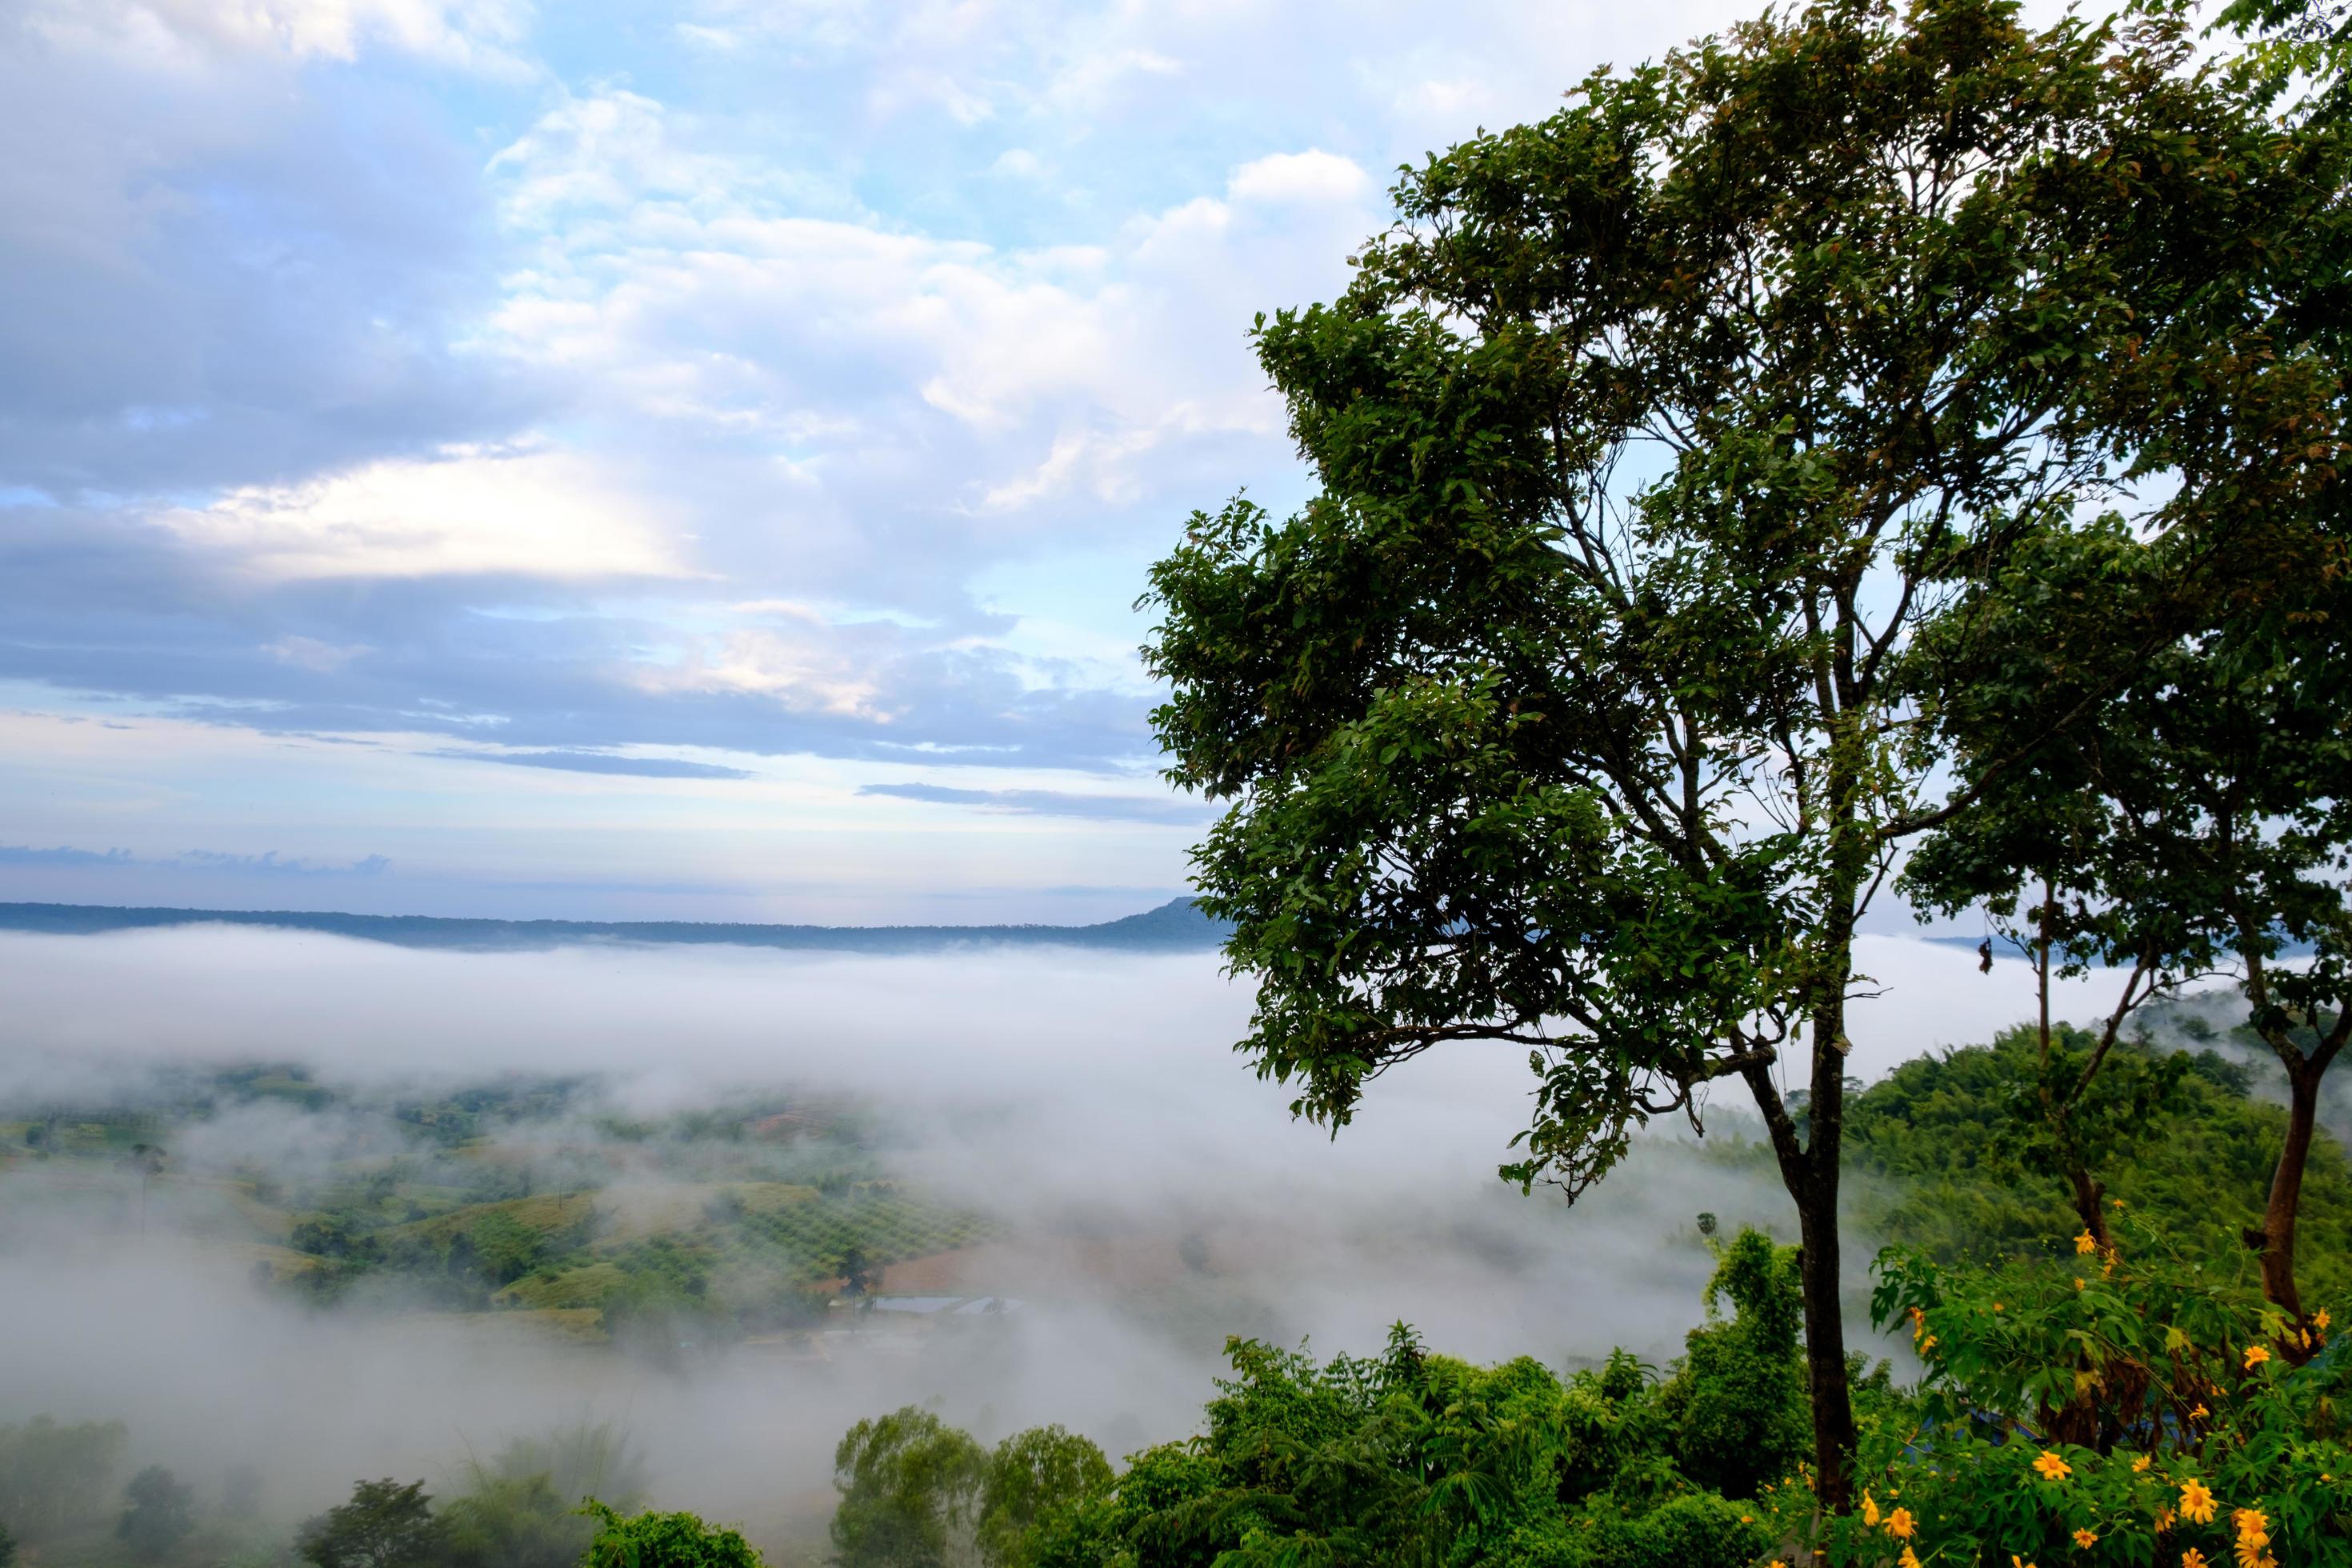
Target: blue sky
[(632, 460)]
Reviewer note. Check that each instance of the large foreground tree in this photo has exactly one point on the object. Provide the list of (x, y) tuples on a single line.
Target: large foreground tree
[(1574, 712)]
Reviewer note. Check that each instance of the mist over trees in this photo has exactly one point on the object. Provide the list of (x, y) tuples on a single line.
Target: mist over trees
[(161, 1513), (54, 1476), (1615, 1462)]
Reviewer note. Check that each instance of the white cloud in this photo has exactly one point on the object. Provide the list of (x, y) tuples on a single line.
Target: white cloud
[(480, 35), (1455, 99), (801, 670), (1086, 82), (684, 288), (916, 87), (542, 514), (608, 151), (1106, 464), (1311, 176)]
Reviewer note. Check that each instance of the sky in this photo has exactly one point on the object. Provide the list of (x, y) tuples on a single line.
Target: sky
[(628, 460)]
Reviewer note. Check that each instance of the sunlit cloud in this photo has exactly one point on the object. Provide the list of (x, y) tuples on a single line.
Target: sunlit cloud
[(1310, 176), (532, 513)]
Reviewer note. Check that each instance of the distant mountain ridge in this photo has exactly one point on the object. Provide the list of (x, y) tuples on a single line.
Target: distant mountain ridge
[(1176, 926)]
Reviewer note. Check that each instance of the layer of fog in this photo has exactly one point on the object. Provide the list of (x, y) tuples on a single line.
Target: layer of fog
[(1089, 1101)]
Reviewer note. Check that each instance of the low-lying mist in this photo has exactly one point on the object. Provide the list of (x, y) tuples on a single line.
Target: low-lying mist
[(1143, 1196)]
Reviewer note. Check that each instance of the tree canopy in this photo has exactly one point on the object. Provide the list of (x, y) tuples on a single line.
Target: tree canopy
[(385, 1524), (910, 1484)]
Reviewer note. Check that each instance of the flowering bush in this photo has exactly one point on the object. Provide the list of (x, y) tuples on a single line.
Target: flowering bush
[(2132, 1413)]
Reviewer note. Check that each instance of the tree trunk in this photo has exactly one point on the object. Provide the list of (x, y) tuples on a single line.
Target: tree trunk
[(1812, 1179), (2286, 1197), (2088, 1195), (1833, 1429), (2085, 1191), (1817, 1219)]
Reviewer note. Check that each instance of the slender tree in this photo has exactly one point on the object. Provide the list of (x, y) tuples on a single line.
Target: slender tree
[(1573, 712), (2197, 818), (2085, 844)]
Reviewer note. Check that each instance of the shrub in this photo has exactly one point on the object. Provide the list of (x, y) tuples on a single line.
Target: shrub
[(2113, 1410), (662, 1541)]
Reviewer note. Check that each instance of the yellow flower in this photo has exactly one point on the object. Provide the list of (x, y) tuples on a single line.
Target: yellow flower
[(1926, 1344), (2017, 1561), (2193, 1558), (2140, 1465), (2199, 1411), (2086, 1539), (1899, 1525), (2052, 1467), (2078, 1281), (2319, 1319), (2086, 1243), (2163, 1518), (1996, 1307), (2254, 1527), (2196, 1501), (2120, 1205), (1869, 1510), (1909, 1559), (2256, 1356)]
